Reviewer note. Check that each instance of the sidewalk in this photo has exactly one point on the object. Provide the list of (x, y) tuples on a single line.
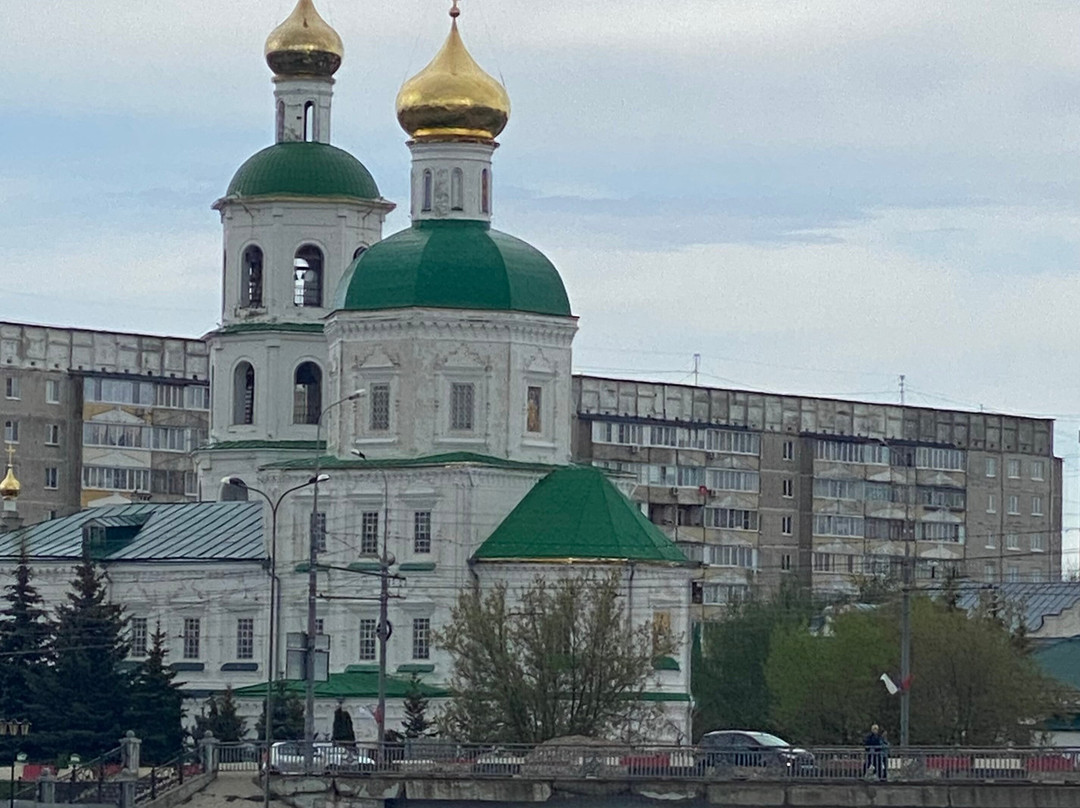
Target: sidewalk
[(230, 790)]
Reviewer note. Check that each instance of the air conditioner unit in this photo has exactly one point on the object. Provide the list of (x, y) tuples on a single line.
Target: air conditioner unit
[(674, 491), (634, 449)]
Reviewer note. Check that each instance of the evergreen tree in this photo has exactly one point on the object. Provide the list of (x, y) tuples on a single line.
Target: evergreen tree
[(288, 715), (156, 712), (221, 719), (416, 724), (343, 731), (81, 700), (25, 634)]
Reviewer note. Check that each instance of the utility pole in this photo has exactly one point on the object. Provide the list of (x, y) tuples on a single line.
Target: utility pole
[(384, 625), (697, 366), (905, 616), (901, 389)]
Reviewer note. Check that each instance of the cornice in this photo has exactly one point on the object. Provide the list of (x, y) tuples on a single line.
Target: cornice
[(441, 324)]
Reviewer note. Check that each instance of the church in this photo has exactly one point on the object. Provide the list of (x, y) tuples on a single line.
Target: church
[(397, 409)]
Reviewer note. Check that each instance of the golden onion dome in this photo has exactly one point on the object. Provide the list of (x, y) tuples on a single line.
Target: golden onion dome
[(453, 98), (304, 45), (9, 486)]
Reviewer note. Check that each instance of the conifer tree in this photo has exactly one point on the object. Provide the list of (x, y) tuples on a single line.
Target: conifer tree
[(156, 712), (343, 731), (81, 700), (221, 718), (288, 715), (416, 723), (25, 635)]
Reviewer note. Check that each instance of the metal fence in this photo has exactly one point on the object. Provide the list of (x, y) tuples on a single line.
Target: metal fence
[(163, 778), (93, 781), (449, 759)]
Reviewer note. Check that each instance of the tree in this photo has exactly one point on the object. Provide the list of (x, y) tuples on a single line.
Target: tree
[(343, 731), (221, 718), (562, 660), (288, 715), (81, 700), (156, 704), (25, 634), (416, 723)]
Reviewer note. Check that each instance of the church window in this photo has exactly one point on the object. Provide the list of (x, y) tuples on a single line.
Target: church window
[(426, 206), (532, 419), (369, 532), (191, 637), (359, 251), (251, 278), (380, 407), (421, 531), (307, 276), (485, 192), (462, 397), (139, 635), (309, 121), (280, 121), (244, 394), (307, 394), (457, 192)]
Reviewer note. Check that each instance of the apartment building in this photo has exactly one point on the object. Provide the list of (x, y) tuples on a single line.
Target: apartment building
[(101, 417), (829, 493)]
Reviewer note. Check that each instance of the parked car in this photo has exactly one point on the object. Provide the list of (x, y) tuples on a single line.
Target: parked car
[(727, 748), (288, 757)]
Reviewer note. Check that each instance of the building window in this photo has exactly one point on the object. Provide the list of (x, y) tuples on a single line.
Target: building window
[(139, 636), (1014, 504), (789, 450), (485, 191), (191, 638), (52, 435), (11, 387), (244, 394), (830, 525), (368, 638), (1012, 575), (421, 637), (787, 487), (457, 191), (307, 276), (113, 478), (1036, 542), (251, 278), (307, 394), (989, 571), (1013, 469), (369, 532), (320, 625), (462, 396), (785, 525), (245, 638), (731, 518), (533, 399), (785, 561), (280, 121), (425, 204), (1037, 470), (318, 530), (52, 477), (991, 503), (11, 431), (309, 121), (991, 541), (359, 251), (1036, 506), (52, 391), (380, 408), (1012, 541), (422, 532), (991, 467)]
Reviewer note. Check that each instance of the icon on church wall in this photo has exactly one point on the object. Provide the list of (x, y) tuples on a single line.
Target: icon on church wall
[(533, 417)]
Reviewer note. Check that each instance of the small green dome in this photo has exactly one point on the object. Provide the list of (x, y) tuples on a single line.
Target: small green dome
[(453, 264), (304, 169)]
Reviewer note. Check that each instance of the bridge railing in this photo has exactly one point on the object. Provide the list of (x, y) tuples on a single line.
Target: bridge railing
[(443, 758)]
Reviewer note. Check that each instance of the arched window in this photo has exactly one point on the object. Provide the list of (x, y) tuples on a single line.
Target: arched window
[(280, 121), (485, 192), (307, 276), (457, 192), (307, 394), (309, 121), (427, 192), (359, 251), (251, 270), (244, 394)]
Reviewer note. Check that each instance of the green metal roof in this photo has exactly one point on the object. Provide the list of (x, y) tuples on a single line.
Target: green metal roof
[(329, 462), (284, 445), (218, 531), (458, 264), (1060, 660), (303, 169), (253, 328), (351, 684), (576, 513)]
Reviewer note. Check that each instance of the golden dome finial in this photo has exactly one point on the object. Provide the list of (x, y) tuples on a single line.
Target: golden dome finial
[(304, 45), (453, 98), (9, 486)]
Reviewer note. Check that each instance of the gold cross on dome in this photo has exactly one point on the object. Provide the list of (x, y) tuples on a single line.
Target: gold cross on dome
[(10, 453)]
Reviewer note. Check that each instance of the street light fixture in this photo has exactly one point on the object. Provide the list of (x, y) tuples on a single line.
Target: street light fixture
[(313, 583), (271, 665)]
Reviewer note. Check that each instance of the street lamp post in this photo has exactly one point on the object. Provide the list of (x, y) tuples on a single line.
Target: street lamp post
[(271, 664), (314, 532)]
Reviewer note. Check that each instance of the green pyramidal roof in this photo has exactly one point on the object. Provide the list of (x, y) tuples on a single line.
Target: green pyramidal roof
[(454, 264), (576, 512), (303, 169)]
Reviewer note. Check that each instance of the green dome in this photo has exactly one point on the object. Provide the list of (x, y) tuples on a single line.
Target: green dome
[(455, 264), (304, 169)]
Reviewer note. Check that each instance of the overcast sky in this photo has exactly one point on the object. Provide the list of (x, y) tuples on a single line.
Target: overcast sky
[(815, 195)]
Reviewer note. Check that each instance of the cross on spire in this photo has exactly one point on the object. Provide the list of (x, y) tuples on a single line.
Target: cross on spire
[(10, 453)]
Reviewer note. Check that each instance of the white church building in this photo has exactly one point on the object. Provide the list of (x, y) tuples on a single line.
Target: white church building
[(426, 375)]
